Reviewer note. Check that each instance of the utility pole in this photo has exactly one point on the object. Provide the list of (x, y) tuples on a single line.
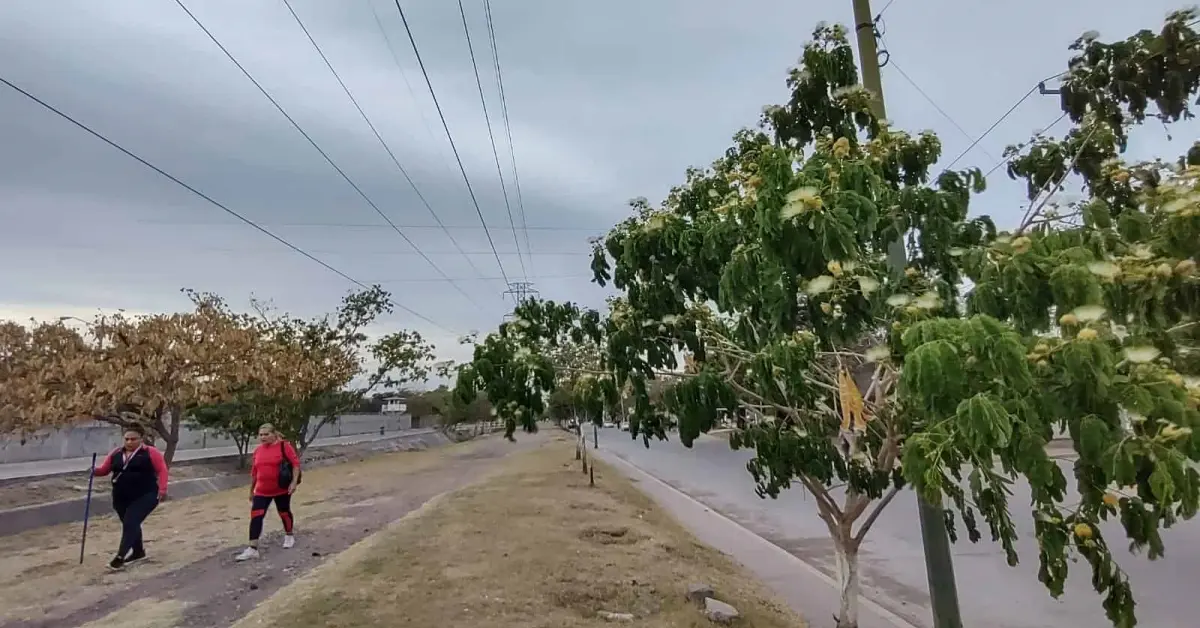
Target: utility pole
[(939, 564)]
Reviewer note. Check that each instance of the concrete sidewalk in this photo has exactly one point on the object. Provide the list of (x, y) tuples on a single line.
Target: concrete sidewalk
[(42, 468), (807, 590)]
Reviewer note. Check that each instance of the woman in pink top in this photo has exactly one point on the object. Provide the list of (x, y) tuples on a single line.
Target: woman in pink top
[(139, 482)]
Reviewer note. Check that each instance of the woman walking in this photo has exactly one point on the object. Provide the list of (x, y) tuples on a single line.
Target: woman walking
[(274, 474), (139, 482)]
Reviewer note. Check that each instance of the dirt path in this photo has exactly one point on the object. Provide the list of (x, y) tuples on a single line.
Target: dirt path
[(191, 543)]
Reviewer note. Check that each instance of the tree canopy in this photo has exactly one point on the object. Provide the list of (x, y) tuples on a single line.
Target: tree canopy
[(769, 270), (211, 365)]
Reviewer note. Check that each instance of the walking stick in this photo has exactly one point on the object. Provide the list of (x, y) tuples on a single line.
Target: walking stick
[(87, 508)]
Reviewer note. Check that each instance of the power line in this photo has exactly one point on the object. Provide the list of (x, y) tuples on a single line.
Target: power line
[(491, 135), (372, 225), (234, 249), (930, 100), (395, 161), (449, 136), (1033, 90), (407, 84), (208, 198), (1040, 86), (1024, 144), (527, 290), (487, 5)]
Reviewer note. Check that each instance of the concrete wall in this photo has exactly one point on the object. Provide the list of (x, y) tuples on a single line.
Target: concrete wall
[(85, 440)]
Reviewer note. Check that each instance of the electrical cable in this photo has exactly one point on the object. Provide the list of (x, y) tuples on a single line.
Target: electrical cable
[(1033, 90), (386, 148), (369, 225), (211, 200), (408, 84), (930, 100), (449, 136), (1037, 87), (487, 5), (1023, 145), (491, 136)]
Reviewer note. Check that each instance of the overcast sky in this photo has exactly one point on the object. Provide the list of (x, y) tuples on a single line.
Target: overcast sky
[(607, 101)]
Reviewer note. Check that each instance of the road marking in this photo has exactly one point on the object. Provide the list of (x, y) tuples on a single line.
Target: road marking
[(889, 616)]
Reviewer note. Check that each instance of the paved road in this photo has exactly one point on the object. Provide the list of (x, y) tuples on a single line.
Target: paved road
[(17, 470), (992, 595)]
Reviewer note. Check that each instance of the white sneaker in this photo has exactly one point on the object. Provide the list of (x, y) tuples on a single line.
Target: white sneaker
[(247, 554), (289, 541)]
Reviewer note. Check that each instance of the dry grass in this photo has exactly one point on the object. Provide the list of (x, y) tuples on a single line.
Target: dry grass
[(41, 566), (147, 613), (532, 546)]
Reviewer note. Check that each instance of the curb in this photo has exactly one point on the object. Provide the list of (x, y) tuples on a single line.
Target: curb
[(25, 518), (883, 612)]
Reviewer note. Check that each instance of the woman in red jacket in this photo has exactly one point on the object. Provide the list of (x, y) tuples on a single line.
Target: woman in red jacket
[(269, 482), (139, 482)]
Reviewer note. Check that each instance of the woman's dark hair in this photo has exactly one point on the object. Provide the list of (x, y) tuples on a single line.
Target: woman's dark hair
[(137, 429)]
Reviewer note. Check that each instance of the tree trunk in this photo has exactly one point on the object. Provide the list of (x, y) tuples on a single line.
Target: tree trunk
[(242, 445), (848, 581), (167, 425)]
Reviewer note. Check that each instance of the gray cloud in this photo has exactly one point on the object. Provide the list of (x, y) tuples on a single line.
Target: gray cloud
[(606, 102)]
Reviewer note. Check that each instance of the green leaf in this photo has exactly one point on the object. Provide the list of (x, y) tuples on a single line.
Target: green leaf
[(1093, 438), (985, 422), (1161, 483)]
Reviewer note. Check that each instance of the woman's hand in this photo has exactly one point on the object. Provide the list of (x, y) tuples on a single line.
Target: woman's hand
[(292, 488)]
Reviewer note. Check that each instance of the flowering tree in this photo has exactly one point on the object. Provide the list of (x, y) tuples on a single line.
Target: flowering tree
[(769, 270)]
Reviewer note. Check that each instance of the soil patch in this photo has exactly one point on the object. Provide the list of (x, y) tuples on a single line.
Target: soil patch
[(532, 546)]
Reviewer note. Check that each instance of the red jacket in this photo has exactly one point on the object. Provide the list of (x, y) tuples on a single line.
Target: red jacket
[(264, 470)]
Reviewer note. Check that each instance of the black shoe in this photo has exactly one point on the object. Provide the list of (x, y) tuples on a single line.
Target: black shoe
[(135, 555), (117, 564)]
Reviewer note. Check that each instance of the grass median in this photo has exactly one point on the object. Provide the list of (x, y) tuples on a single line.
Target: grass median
[(530, 546)]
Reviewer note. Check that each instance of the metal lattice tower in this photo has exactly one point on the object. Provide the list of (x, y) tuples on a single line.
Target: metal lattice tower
[(520, 291)]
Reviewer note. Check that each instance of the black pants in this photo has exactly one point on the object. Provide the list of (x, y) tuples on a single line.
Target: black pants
[(258, 511), (132, 512)]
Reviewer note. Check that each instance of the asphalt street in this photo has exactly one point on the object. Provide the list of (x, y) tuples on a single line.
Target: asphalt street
[(991, 594)]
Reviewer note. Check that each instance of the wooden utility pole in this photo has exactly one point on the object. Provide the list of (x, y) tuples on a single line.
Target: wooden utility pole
[(939, 564)]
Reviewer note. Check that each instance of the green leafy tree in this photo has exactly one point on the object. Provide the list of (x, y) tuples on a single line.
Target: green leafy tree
[(339, 340), (237, 419), (769, 270)]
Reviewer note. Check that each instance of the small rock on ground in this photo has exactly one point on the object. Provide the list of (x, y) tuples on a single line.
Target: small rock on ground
[(616, 616), (719, 612), (698, 592)]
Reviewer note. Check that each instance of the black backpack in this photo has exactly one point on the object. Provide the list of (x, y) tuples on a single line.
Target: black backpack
[(286, 470)]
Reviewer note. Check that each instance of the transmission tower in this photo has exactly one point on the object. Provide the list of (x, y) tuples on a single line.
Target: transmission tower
[(520, 291)]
